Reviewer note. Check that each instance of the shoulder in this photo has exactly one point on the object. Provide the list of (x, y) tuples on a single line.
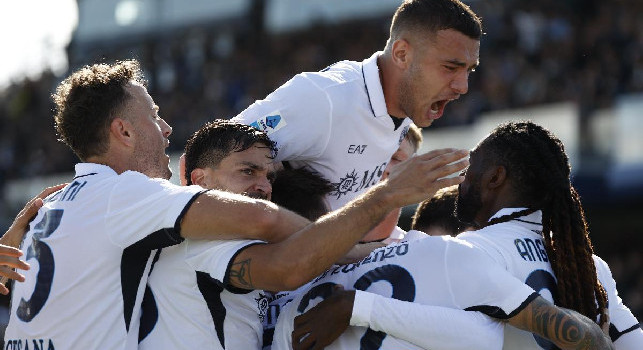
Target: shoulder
[(340, 73)]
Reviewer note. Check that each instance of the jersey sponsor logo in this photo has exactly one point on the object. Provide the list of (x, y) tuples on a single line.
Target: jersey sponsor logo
[(262, 306), (29, 344), (359, 149), (357, 181), (531, 249), (269, 123)]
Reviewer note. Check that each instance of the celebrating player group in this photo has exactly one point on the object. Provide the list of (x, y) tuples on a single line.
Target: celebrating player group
[(283, 231)]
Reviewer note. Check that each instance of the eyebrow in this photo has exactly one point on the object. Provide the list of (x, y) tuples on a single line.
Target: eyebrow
[(252, 165), (462, 64)]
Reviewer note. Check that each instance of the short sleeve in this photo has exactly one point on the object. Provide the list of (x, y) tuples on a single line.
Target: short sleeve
[(477, 283), (139, 207), (622, 321), (297, 117), (214, 257)]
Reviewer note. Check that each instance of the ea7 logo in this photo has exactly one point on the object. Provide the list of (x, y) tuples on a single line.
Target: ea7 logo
[(359, 149)]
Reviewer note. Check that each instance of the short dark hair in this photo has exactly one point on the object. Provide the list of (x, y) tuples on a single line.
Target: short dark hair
[(215, 140), (302, 191), (438, 211), (86, 103), (433, 15)]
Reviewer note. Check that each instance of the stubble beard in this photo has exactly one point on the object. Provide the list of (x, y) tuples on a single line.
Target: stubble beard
[(468, 205)]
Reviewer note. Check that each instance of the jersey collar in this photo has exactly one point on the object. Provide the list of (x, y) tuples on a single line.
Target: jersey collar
[(84, 169), (533, 218), (371, 73)]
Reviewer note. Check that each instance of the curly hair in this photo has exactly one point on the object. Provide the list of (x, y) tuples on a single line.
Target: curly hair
[(86, 103), (538, 168)]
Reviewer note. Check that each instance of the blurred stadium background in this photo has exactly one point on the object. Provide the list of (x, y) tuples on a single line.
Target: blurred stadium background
[(575, 66)]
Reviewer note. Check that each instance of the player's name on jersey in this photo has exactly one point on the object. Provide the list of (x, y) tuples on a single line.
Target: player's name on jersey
[(531, 249), (380, 254), (29, 344)]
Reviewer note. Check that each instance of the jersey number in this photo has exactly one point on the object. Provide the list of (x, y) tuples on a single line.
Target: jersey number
[(28, 309), (539, 280), (403, 289)]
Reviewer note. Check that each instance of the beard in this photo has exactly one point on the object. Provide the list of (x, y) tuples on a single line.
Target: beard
[(468, 204)]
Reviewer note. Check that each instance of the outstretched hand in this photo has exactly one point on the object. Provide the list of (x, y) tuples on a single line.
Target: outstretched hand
[(321, 325), (9, 242), (421, 176)]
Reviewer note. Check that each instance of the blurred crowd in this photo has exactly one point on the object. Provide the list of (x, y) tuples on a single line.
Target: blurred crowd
[(534, 52)]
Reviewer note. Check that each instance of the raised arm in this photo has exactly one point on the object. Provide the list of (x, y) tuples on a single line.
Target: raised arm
[(565, 328), (291, 263)]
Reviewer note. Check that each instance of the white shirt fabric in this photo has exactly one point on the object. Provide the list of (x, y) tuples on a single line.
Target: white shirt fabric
[(334, 121), (90, 249), (518, 247), (433, 271), (192, 305)]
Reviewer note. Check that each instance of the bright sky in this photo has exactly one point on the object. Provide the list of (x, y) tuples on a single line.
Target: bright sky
[(33, 36)]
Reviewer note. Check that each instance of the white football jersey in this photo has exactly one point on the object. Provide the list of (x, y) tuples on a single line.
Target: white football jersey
[(334, 121), (190, 304), (90, 249), (518, 246), (276, 302), (439, 271)]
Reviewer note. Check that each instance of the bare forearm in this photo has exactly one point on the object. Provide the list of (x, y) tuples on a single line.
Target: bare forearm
[(222, 215), (565, 328), (310, 251)]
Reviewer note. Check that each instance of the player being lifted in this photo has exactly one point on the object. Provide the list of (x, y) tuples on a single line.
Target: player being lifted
[(346, 121)]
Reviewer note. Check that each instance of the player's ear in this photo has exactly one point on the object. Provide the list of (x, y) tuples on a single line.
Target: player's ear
[(401, 53), (198, 177), (497, 176), (122, 131)]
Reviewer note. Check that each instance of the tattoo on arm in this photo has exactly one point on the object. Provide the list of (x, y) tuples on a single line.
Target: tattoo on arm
[(566, 328), (240, 274)]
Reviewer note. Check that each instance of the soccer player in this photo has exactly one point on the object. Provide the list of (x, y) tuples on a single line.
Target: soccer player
[(94, 240), (347, 120), (518, 190), (211, 290), (431, 275)]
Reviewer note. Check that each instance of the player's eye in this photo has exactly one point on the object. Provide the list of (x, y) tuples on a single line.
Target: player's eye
[(247, 171), (451, 68)]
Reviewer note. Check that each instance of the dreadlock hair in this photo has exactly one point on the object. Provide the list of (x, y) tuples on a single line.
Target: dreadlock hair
[(538, 168), (215, 140), (302, 191)]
